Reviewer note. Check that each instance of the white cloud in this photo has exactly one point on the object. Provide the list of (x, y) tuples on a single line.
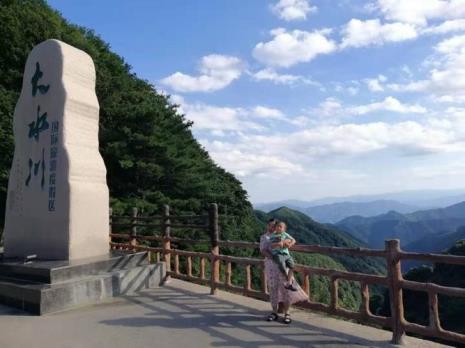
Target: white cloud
[(309, 146), (453, 45), (446, 81), (215, 118), (291, 10), (359, 33), (329, 107), (217, 72), (221, 119), (218, 118), (446, 27), (415, 86), (270, 74), (243, 162), (418, 12), (352, 87), (406, 70), (311, 151), (333, 109), (288, 48), (266, 112), (352, 90), (388, 104), (404, 20), (375, 85)]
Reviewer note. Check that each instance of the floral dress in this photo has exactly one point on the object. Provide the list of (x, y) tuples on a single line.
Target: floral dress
[(276, 280)]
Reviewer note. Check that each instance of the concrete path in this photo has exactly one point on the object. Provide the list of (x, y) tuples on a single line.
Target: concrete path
[(182, 314)]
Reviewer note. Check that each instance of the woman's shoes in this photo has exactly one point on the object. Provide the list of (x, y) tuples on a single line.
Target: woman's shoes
[(272, 317)]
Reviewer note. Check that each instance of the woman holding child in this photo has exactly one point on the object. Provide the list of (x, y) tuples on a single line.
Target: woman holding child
[(283, 289)]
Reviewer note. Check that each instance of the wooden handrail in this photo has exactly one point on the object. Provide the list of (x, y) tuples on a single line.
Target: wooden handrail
[(437, 258), (391, 253)]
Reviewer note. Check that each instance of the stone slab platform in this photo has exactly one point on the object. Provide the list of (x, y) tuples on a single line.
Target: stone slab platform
[(59, 271), (49, 286), (182, 314)]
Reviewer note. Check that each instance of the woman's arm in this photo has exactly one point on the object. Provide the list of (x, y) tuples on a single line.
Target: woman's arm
[(277, 245), (265, 253), (264, 247), (289, 243)]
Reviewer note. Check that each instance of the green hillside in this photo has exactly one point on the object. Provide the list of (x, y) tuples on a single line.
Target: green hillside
[(147, 145), (307, 231), (406, 227)]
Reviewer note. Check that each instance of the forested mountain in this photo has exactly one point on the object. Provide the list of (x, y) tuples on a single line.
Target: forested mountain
[(307, 231), (147, 145), (406, 227), (436, 243)]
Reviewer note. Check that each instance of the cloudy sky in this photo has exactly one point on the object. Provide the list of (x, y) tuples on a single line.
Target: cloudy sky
[(305, 98)]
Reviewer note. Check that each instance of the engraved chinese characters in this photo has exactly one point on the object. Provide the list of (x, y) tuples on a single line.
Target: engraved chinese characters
[(41, 124), (58, 199)]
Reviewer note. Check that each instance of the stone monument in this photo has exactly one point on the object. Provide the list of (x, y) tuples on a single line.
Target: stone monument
[(58, 200)]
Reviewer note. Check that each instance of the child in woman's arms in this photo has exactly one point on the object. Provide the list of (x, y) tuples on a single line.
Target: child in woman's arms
[(280, 243)]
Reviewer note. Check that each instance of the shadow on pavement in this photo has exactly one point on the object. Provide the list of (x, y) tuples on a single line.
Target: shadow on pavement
[(231, 323)]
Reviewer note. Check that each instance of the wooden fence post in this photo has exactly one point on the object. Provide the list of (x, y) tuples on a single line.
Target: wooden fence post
[(395, 290), (215, 250), (166, 231), (133, 239)]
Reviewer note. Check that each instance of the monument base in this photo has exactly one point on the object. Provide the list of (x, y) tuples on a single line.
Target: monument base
[(42, 287)]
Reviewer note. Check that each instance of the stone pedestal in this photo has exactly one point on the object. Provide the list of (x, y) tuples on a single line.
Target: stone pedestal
[(42, 287)]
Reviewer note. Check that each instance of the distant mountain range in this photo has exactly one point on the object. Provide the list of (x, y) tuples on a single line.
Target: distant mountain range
[(334, 209), (335, 212), (436, 243), (432, 230), (406, 227)]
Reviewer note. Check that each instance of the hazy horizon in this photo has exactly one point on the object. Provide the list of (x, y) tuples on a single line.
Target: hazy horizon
[(434, 194)]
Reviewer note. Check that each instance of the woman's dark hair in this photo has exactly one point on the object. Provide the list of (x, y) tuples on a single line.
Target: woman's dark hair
[(273, 220)]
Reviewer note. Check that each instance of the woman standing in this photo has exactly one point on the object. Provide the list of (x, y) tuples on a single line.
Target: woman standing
[(280, 297)]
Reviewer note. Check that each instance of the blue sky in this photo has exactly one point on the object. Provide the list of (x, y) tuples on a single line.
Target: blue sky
[(305, 98)]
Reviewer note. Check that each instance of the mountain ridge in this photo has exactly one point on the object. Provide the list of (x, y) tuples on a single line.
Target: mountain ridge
[(406, 227), (423, 198)]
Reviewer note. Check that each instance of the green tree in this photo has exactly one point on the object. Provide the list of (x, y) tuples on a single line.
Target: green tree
[(150, 153)]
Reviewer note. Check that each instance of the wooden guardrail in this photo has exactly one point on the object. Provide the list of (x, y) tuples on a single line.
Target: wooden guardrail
[(211, 261)]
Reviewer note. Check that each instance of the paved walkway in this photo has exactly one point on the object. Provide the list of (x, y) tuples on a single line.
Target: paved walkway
[(182, 314)]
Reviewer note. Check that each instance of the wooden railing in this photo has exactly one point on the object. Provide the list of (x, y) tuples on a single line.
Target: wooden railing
[(211, 261)]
